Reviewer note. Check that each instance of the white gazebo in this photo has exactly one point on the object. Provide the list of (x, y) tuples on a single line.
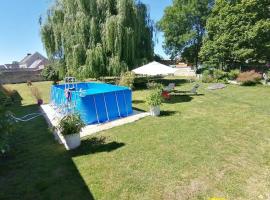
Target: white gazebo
[(154, 69)]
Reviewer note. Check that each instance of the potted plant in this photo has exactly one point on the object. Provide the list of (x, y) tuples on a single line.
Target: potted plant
[(154, 100), (70, 127), (36, 94)]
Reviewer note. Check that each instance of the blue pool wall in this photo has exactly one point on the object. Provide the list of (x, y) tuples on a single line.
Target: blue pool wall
[(95, 102)]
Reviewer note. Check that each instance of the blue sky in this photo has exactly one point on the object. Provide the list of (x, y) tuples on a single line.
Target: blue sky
[(19, 28)]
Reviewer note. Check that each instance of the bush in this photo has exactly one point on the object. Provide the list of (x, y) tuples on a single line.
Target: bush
[(219, 75), (233, 74), (127, 79), (50, 73), (6, 129), (154, 98), (71, 124), (153, 85), (207, 77), (249, 78), (6, 95)]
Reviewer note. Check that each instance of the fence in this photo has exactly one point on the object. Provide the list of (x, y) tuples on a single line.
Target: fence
[(20, 76)]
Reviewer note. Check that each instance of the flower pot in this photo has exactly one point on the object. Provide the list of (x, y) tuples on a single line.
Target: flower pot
[(155, 111), (39, 102), (72, 141)]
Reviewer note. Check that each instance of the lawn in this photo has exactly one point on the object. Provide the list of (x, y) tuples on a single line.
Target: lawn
[(216, 144)]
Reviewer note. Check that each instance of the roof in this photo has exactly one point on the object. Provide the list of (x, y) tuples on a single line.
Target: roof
[(31, 61), (2, 67), (11, 66), (154, 69), (30, 57)]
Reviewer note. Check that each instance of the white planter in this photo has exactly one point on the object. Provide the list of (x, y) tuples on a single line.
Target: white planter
[(155, 111), (72, 141)]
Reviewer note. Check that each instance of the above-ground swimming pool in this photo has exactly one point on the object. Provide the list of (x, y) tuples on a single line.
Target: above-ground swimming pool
[(95, 102)]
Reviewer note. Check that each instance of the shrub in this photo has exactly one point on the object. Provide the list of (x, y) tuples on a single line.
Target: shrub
[(71, 124), (153, 85), (207, 77), (219, 75), (249, 78), (154, 98), (6, 129), (6, 95), (50, 73), (233, 74), (127, 79)]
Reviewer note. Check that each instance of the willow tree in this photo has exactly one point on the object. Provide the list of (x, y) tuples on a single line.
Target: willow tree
[(95, 38)]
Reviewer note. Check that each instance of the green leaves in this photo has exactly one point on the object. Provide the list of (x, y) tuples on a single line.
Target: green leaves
[(183, 25), (90, 36), (237, 31)]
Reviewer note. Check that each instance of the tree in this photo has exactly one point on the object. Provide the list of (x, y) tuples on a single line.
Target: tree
[(183, 25), (237, 31), (95, 38)]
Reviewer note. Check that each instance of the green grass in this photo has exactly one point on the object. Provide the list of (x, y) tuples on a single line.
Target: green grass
[(216, 144)]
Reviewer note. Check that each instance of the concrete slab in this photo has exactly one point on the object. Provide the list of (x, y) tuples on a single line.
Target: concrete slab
[(53, 119)]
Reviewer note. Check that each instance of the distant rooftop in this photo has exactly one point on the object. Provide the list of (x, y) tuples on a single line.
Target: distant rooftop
[(30, 61)]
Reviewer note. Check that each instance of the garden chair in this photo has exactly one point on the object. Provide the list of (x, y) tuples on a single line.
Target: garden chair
[(192, 91), (170, 87)]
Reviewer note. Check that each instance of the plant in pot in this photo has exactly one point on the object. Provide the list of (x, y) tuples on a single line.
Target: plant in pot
[(70, 127), (154, 100), (36, 94)]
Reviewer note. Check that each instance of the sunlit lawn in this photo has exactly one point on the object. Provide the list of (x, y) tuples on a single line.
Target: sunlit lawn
[(216, 144)]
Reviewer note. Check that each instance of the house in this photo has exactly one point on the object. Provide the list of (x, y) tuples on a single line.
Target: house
[(183, 68), (33, 62), (28, 69)]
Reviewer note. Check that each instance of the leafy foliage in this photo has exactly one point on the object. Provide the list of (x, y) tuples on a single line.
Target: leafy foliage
[(71, 124), (214, 75), (6, 96), (183, 25), (154, 98), (154, 85), (233, 74), (207, 77), (6, 128), (51, 73), (237, 31), (219, 74), (249, 78), (127, 79), (98, 37)]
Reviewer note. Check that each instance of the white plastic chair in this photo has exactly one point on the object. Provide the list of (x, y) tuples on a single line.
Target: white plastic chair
[(170, 87)]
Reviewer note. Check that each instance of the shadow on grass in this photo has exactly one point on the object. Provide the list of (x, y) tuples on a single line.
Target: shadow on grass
[(179, 99), (39, 167), (142, 84), (96, 145), (138, 109), (137, 101), (165, 113)]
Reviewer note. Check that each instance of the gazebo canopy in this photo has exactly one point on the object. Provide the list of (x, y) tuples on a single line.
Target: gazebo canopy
[(154, 69)]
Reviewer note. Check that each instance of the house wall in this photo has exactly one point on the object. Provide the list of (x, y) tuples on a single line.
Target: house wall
[(20, 76)]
